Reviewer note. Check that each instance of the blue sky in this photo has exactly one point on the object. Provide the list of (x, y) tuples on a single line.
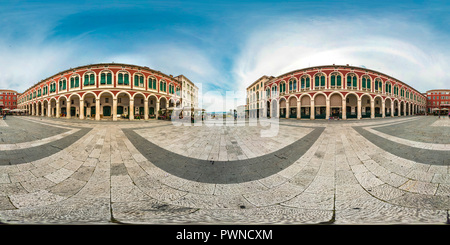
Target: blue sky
[(225, 45)]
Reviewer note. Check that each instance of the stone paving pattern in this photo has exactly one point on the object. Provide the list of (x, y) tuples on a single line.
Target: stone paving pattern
[(313, 172)]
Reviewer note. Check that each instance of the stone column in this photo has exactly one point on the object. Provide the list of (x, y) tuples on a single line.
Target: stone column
[(327, 105), (146, 109), (383, 109), (299, 108), (49, 107), (42, 109), (359, 108), (404, 109), (97, 109), (157, 109), (278, 109), (131, 112), (372, 108), (114, 109), (344, 109), (312, 110), (81, 109), (58, 109), (68, 109), (287, 109), (392, 108)]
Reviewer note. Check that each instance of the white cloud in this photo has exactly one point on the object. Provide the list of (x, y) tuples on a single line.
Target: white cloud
[(407, 51)]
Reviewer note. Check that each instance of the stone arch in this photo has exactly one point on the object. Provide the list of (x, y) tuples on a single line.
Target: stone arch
[(320, 105), (293, 110), (336, 106)]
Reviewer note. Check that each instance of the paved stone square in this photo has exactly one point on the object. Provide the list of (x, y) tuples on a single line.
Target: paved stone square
[(373, 171)]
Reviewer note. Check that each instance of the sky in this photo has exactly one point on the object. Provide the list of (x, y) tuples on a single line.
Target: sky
[(226, 45)]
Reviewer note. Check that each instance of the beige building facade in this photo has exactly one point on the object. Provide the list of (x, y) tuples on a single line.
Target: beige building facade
[(335, 91)]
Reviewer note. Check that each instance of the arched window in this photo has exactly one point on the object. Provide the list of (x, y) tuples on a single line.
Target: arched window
[(319, 81), (123, 78), (352, 81), (75, 81), (282, 87), (365, 83), (89, 79), (152, 83), (305, 83), (335, 80), (292, 85), (274, 91), (171, 89), (378, 85), (138, 80), (388, 88), (53, 87), (106, 78), (62, 84), (162, 86)]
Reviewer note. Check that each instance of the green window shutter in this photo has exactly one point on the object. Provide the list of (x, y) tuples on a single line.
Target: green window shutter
[(355, 82), (316, 81), (92, 79), (72, 82), (154, 83), (368, 83), (164, 87), (86, 80), (141, 80), (333, 80), (126, 79), (103, 78), (77, 81), (64, 84), (339, 81), (363, 82), (120, 80), (307, 82), (136, 80), (109, 78), (322, 81)]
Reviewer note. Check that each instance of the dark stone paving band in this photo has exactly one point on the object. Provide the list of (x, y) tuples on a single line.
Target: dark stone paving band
[(12, 157), (408, 152), (223, 172)]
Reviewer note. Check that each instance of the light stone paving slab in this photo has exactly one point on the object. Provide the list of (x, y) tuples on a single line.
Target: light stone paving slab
[(342, 178)]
